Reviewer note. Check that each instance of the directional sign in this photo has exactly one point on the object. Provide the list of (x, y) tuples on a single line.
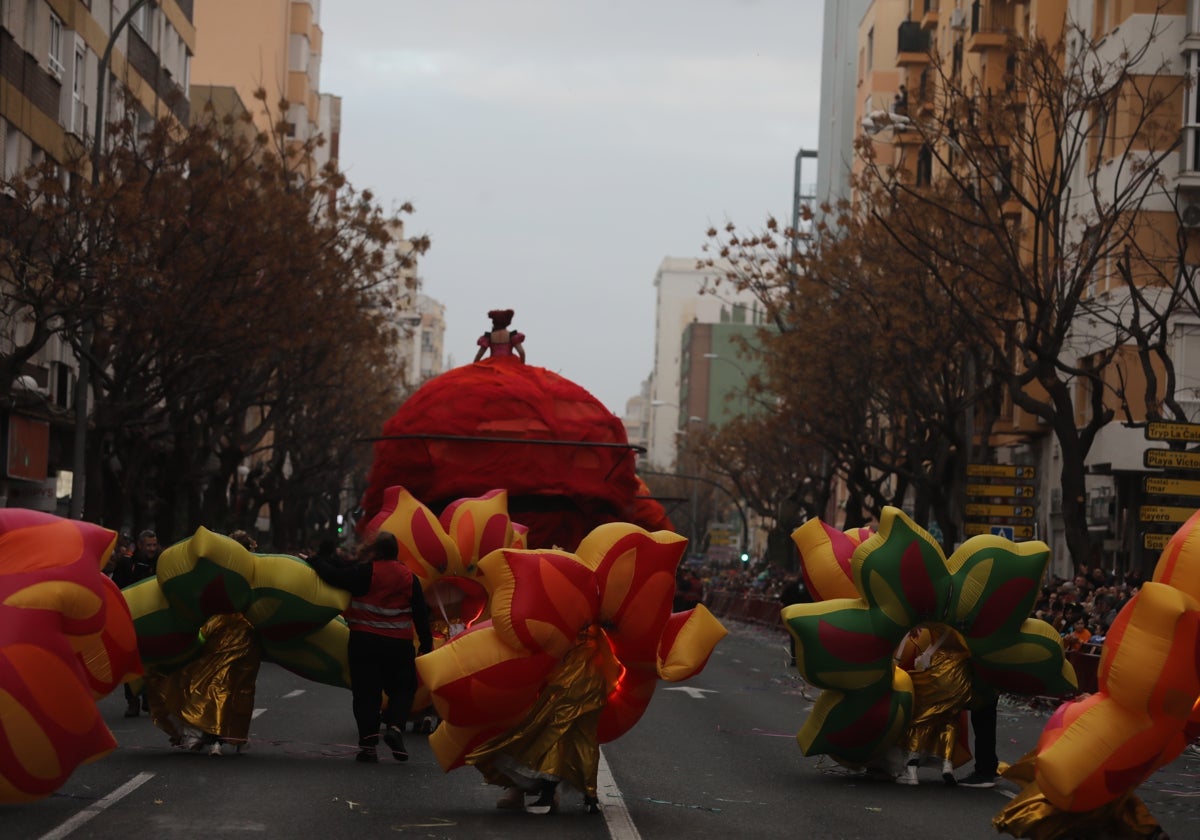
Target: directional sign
[(1171, 459), (1164, 513), (1171, 486), (1155, 542), (1000, 471), (1025, 491), (1016, 532), (1173, 431), (1020, 511)]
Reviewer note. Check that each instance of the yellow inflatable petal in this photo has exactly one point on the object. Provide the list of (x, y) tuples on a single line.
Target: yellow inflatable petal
[(685, 654)]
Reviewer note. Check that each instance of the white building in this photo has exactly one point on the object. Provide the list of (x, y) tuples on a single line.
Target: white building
[(680, 300), (839, 82)]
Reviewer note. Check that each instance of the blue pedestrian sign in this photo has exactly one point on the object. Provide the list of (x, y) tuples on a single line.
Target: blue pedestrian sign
[(1005, 531)]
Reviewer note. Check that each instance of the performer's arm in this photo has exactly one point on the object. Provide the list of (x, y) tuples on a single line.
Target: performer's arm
[(354, 578)]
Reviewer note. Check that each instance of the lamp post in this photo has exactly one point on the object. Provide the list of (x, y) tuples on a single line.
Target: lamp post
[(83, 379)]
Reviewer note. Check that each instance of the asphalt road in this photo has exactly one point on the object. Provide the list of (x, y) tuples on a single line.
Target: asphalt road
[(713, 758)]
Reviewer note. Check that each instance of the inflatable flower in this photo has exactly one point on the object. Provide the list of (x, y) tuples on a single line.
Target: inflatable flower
[(66, 639), (444, 552), (901, 579), (618, 585), (1094, 751), (295, 615)]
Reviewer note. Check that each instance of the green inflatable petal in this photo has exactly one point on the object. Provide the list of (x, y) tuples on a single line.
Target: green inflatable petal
[(902, 572), (1030, 661), (858, 727), (995, 585), (842, 643)]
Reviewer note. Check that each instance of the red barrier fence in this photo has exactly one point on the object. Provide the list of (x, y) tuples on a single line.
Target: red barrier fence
[(739, 606)]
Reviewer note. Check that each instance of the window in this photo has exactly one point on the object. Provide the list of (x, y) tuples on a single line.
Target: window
[(54, 56), (870, 49), (78, 86)]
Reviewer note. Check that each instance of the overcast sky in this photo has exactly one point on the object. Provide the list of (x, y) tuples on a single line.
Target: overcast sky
[(556, 150)]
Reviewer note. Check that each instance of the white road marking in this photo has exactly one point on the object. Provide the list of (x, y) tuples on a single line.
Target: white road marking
[(99, 806), (292, 694), (612, 805), (256, 713), (692, 691)]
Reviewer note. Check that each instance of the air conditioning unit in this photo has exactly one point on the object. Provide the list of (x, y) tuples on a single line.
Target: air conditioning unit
[(1190, 215), (958, 18)]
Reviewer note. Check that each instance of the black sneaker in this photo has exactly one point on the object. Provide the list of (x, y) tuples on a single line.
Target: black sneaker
[(395, 740), (367, 755), (978, 780)]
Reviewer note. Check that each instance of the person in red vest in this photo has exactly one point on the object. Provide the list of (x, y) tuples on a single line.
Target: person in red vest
[(387, 610)]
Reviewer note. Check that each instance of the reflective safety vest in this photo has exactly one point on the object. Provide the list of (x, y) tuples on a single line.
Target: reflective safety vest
[(386, 610)]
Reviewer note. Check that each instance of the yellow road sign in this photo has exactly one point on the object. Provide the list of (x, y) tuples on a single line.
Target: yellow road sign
[(1022, 511), (1173, 431), (1170, 459), (1001, 471), (1163, 513), (1155, 542), (1171, 486), (1024, 491)]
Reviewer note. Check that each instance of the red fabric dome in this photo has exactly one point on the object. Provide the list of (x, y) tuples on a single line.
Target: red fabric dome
[(461, 434)]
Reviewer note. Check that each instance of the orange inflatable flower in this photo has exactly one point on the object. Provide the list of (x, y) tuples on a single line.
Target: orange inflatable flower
[(619, 584), (66, 639), (1095, 750)]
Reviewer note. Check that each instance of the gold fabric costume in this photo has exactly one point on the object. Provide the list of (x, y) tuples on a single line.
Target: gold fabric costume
[(1032, 815), (556, 740), (940, 693), (213, 693)]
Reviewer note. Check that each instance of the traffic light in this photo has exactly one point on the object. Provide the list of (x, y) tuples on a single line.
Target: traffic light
[(745, 557), (341, 524)]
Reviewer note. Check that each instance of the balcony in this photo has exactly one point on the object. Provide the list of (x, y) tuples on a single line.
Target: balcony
[(992, 24), (929, 15), (912, 45)]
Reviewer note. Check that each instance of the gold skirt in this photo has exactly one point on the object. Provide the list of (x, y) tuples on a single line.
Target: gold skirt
[(940, 693), (1032, 815), (213, 693), (556, 740)]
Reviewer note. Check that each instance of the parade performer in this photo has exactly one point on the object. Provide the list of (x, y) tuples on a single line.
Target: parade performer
[(500, 341), (210, 701), (569, 660), (941, 677), (556, 741), (871, 589), (388, 610)]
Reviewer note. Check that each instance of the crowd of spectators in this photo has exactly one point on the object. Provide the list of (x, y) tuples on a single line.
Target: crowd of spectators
[(1083, 608)]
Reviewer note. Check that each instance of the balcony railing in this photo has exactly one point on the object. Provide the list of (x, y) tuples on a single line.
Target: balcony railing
[(993, 18), (912, 38)]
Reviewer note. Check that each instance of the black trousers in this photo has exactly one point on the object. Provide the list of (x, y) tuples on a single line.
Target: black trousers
[(983, 724), (380, 664)]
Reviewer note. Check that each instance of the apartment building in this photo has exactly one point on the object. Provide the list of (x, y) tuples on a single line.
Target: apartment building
[(273, 46), (51, 80), (906, 49), (680, 301)]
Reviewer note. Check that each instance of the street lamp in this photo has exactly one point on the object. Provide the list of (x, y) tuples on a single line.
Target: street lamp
[(83, 379)]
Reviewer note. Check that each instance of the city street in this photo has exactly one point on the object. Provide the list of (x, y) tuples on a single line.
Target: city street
[(713, 758)]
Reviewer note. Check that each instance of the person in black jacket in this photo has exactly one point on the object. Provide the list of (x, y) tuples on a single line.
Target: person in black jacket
[(387, 610), (129, 569)]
